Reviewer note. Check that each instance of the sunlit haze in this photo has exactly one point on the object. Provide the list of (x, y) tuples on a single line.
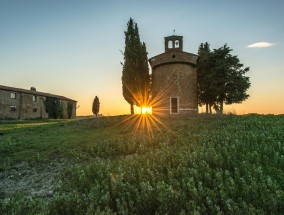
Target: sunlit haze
[(73, 48)]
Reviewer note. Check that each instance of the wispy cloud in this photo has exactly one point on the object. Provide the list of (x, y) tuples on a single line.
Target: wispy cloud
[(260, 45)]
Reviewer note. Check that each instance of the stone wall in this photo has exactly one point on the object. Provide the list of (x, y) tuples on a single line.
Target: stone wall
[(32, 109), (6, 102), (173, 57), (174, 80), (65, 113), (28, 106)]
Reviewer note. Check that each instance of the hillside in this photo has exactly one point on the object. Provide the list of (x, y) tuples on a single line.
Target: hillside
[(176, 165)]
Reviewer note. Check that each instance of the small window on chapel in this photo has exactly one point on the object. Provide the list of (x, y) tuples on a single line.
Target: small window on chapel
[(34, 98), (34, 110), (13, 95)]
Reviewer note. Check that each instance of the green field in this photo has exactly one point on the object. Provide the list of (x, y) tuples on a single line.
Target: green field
[(178, 165)]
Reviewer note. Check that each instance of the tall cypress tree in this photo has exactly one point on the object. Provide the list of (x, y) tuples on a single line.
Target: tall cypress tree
[(96, 106), (145, 79), (135, 73), (69, 109)]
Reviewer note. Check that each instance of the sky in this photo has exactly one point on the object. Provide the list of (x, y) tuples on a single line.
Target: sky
[(73, 48)]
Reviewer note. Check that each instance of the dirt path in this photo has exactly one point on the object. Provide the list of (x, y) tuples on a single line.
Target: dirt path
[(32, 181)]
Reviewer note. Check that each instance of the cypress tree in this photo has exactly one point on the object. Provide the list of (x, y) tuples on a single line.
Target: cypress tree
[(96, 106), (135, 73), (145, 78), (69, 109), (53, 107)]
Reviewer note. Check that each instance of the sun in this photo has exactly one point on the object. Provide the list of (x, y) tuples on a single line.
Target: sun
[(146, 110)]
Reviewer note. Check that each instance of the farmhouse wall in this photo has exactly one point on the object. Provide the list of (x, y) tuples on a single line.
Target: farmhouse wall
[(32, 109), (28, 104), (6, 102)]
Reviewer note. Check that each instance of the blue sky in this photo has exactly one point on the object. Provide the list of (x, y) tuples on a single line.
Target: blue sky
[(71, 48)]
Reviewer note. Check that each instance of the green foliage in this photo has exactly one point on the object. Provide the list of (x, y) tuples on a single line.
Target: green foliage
[(135, 73), (96, 106), (206, 92), (203, 165), (54, 107), (70, 107), (221, 78)]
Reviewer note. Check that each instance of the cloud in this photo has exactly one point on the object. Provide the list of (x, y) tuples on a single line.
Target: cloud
[(260, 45)]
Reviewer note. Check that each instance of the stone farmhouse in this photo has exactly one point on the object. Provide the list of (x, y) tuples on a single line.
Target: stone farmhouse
[(18, 103), (174, 76)]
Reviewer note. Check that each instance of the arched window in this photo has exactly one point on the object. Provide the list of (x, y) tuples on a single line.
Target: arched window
[(170, 44), (177, 44)]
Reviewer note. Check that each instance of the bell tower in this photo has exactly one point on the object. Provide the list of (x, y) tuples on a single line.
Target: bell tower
[(173, 43)]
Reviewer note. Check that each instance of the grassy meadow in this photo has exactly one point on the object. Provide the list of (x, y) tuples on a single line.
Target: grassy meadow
[(142, 165)]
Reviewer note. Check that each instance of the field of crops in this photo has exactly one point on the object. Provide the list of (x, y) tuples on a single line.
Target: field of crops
[(194, 165)]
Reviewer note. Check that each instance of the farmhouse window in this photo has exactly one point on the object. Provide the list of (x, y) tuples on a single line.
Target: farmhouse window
[(13, 95), (13, 108), (34, 110), (34, 98)]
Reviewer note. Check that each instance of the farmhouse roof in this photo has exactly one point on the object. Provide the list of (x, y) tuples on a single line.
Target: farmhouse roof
[(33, 92)]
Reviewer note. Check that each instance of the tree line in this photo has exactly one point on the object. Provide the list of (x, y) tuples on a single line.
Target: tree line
[(221, 78)]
